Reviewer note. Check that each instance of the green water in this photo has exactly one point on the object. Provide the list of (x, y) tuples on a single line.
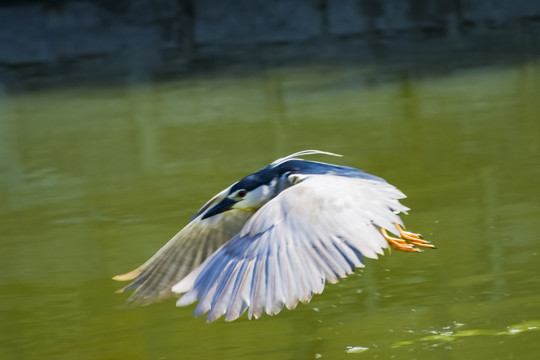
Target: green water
[(94, 180)]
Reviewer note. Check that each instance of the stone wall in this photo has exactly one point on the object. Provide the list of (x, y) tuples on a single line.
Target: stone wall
[(62, 39)]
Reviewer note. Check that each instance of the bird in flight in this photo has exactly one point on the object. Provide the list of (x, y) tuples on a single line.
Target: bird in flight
[(274, 239)]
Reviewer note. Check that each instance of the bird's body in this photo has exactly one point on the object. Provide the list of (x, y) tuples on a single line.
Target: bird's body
[(274, 238)]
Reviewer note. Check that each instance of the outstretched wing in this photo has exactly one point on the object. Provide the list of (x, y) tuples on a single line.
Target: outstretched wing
[(312, 232), (153, 280)]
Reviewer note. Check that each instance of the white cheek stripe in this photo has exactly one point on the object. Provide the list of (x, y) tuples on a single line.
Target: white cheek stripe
[(266, 189)]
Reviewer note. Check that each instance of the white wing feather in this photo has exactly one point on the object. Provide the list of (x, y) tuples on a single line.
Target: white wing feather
[(315, 231)]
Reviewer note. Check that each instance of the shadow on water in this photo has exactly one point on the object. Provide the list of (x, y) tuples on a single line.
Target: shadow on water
[(94, 180)]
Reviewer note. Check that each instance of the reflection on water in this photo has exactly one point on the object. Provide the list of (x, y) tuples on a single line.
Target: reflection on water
[(94, 181)]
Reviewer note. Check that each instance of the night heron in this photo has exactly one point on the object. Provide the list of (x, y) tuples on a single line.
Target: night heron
[(274, 238)]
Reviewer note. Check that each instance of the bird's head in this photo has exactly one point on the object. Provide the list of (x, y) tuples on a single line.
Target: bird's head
[(255, 190), (249, 194)]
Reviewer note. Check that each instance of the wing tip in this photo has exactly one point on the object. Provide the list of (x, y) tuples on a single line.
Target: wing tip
[(120, 291), (182, 287), (128, 276)]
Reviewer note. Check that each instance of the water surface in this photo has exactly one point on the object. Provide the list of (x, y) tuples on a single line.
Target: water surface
[(94, 180)]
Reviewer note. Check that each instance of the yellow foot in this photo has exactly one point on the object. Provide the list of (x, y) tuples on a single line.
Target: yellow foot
[(407, 241), (398, 244), (415, 239)]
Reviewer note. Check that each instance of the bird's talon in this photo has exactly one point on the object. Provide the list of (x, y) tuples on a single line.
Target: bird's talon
[(398, 244), (423, 243), (412, 238), (406, 234), (407, 242)]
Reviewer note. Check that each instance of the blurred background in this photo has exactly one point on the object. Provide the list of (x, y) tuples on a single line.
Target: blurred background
[(119, 119)]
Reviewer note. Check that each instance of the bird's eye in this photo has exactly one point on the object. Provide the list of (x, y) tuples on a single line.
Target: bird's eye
[(241, 193)]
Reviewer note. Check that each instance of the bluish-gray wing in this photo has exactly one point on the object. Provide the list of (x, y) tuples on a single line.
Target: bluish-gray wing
[(153, 280), (315, 231)]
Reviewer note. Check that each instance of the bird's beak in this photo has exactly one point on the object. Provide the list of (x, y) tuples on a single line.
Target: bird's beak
[(222, 206)]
